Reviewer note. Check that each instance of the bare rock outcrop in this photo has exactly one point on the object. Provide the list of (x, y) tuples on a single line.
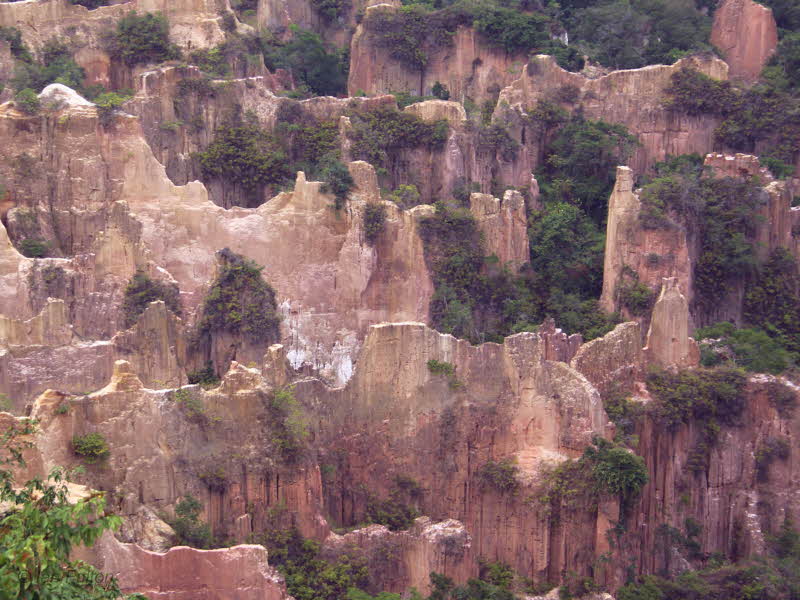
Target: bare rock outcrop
[(236, 573), (504, 224), (193, 23), (397, 417), (632, 98), (616, 359), (635, 253), (443, 547), (746, 34), (669, 344), (469, 67)]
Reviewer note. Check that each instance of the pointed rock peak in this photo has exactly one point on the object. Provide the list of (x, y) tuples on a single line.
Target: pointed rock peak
[(123, 379), (668, 342)]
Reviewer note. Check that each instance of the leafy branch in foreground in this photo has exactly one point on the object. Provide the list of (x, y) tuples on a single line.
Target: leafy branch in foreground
[(40, 527)]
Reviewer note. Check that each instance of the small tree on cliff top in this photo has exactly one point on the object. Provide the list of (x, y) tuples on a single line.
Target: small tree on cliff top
[(39, 528)]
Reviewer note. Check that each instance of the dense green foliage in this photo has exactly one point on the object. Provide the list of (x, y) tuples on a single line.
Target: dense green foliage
[(318, 69), (41, 526), (626, 34), (579, 165), (771, 301), (107, 105), (190, 529), (287, 425), (752, 349), (493, 584), (141, 291), (55, 65), (398, 511), (240, 301), (419, 28), (307, 575), (27, 101), (605, 468), (205, 377), (500, 475), (34, 248), (13, 36), (92, 447), (720, 212), (246, 156), (142, 39), (330, 10), (374, 221), (378, 135), (765, 113), (338, 180)]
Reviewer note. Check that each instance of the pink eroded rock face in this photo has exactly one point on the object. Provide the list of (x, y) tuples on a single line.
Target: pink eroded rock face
[(633, 98), (746, 33), (469, 67), (236, 573)]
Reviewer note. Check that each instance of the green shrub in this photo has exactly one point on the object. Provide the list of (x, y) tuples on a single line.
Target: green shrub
[(630, 34), (19, 50), (512, 29), (240, 301), (441, 368), (247, 156), (27, 101), (616, 470), (288, 425), (500, 475), (215, 479), (378, 135), (771, 300), (308, 576), (636, 297), (56, 65), (141, 291), (330, 10), (495, 139), (752, 349), (205, 377), (92, 447), (580, 164), (338, 181), (142, 39), (33, 248), (192, 405), (405, 196), (315, 67), (374, 221), (189, 529), (783, 398), (440, 91)]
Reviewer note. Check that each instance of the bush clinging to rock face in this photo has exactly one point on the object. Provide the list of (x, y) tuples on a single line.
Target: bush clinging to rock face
[(240, 301), (142, 39)]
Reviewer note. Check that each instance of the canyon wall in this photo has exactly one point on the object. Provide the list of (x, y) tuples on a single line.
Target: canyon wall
[(468, 66), (632, 98), (746, 34)]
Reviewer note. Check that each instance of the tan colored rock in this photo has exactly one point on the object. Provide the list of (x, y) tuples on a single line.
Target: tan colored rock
[(504, 225), (651, 254), (746, 34), (155, 347), (633, 98), (235, 573), (613, 360), (669, 344), (470, 67), (48, 328), (193, 23), (426, 547), (433, 110)]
